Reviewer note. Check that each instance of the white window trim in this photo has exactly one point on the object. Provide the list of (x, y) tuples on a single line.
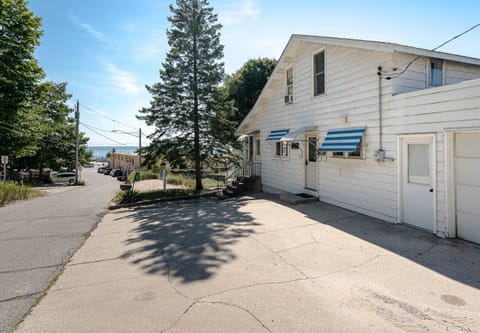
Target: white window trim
[(314, 53), (286, 84), (347, 156), (274, 150), (429, 61)]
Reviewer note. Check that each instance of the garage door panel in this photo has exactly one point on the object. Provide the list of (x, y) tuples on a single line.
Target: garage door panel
[(467, 145), (468, 199), (469, 229), (467, 171), (467, 179)]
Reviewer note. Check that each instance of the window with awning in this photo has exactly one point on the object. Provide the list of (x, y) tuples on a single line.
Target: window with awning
[(291, 136), (342, 140), (276, 135)]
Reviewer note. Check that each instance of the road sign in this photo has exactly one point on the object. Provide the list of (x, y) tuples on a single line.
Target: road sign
[(4, 159)]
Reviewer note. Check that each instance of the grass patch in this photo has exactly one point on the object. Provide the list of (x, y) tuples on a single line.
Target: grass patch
[(130, 196), (10, 192), (179, 179), (143, 175)]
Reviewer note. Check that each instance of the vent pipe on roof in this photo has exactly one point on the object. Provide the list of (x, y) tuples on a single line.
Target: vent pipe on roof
[(379, 154)]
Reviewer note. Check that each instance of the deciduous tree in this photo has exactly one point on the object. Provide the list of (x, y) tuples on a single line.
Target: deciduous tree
[(20, 32)]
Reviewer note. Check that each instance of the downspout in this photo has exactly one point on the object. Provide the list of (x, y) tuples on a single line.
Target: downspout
[(379, 154)]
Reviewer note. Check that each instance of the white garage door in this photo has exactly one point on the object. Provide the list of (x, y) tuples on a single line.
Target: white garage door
[(467, 177)]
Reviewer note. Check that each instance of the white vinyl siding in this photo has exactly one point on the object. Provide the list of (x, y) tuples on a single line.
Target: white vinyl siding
[(417, 76), (364, 185)]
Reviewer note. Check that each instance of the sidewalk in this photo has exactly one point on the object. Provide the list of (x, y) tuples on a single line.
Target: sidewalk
[(258, 265)]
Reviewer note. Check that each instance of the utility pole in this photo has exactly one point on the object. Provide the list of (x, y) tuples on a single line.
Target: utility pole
[(139, 148), (77, 121)]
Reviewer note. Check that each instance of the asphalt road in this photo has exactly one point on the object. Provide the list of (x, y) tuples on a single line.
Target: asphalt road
[(37, 237)]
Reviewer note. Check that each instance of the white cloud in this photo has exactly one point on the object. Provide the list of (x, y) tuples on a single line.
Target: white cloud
[(90, 30), (123, 79), (94, 33), (236, 12)]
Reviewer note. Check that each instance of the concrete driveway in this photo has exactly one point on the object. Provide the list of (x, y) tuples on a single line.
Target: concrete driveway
[(257, 265)]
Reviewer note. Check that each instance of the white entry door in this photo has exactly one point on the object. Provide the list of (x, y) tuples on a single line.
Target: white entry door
[(467, 185), (311, 163), (418, 181)]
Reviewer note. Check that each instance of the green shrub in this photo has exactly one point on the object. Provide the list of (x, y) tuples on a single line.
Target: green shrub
[(10, 192), (143, 175), (134, 196)]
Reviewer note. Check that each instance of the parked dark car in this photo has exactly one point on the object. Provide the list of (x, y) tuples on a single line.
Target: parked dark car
[(116, 173), (107, 171), (101, 170)]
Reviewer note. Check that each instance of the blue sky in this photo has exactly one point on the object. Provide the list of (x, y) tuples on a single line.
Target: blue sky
[(108, 50)]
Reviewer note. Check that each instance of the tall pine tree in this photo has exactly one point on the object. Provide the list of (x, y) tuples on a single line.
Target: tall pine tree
[(183, 103)]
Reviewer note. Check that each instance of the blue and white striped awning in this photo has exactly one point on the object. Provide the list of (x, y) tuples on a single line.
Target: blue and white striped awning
[(276, 135), (293, 135), (342, 140)]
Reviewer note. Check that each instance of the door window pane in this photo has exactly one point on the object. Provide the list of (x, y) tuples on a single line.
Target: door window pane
[(312, 149), (419, 163)]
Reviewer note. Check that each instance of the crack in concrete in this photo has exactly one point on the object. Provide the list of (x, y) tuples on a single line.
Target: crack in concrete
[(94, 284), (175, 323), (31, 268), (94, 261), (288, 228), (279, 256), (20, 297), (169, 278), (348, 268), (439, 242), (258, 284), (59, 236), (241, 308)]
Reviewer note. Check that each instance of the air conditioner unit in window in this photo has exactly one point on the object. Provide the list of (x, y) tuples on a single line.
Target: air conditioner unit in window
[(288, 99)]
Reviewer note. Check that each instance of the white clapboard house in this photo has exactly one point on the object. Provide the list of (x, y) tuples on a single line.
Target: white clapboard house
[(383, 129)]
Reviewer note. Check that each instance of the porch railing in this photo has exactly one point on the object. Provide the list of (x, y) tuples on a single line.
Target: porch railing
[(248, 169), (242, 169)]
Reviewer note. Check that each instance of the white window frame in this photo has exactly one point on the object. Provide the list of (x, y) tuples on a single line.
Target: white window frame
[(281, 150), (429, 71), (361, 146), (257, 147), (314, 74), (289, 85)]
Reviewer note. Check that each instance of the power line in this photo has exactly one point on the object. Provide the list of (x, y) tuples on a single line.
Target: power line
[(107, 117), (96, 128), (434, 49), (104, 136)]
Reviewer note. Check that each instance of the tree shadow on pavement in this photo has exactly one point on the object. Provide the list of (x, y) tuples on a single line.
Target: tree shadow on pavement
[(187, 240)]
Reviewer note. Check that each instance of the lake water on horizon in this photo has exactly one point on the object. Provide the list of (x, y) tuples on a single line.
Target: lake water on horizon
[(101, 151)]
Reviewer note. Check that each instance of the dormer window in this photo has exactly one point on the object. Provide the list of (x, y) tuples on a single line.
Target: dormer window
[(289, 86), (435, 73)]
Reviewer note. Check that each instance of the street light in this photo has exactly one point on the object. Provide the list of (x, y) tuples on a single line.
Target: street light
[(139, 135)]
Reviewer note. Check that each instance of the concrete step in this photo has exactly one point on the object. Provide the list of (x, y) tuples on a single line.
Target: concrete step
[(296, 199)]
